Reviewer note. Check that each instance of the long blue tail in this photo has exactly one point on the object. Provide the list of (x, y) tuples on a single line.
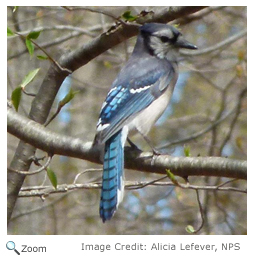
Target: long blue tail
[(112, 179)]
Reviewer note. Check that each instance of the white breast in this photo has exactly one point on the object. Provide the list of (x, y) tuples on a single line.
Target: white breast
[(147, 118)]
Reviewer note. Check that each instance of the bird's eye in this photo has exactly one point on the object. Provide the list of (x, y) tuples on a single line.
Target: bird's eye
[(164, 39)]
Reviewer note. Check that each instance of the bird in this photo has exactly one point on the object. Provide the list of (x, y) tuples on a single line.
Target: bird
[(138, 96)]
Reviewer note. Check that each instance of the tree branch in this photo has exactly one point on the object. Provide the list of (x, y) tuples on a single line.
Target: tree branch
[(220, 45), (40, 137), (120, 33), (44, 191)]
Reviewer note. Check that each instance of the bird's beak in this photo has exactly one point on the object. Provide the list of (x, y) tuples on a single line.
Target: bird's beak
[(182, 43)]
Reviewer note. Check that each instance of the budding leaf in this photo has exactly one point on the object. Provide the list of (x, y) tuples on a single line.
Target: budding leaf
[(239, 71), (187, 151), (172, 177), (241, 55), (29, 77), (108, 64), (239, 142), (190, 229), (29, 46), (33, 35), (15, 9), (16, 97), (9, 32), (127, 16), (52, 177), (70, 95), (42, 57)]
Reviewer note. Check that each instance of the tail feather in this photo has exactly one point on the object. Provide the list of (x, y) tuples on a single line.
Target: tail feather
[(112, 179)]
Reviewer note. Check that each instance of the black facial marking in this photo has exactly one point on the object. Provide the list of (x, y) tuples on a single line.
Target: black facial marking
[(164, 39)]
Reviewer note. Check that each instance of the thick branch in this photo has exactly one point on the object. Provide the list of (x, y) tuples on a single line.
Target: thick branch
[(120, 33), (53, 143)]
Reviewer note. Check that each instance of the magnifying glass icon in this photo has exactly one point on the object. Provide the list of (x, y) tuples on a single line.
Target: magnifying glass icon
[(10, 245)]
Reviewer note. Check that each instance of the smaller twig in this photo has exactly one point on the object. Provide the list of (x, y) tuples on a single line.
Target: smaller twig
[(201, 212), (142, 185), (53, 42), (50, 58), (200, 133), (98, 11), (227, 182), (33, 191), (197, 16), (37, 159), (42, 167), (38, 208), (219, 88), (85, 171), (47, 190), (194, 187), (219, 45), (224, 212), (87, 32), (59, 108), (234, 120), (46, 53), (130, 185), (66, 8), (27, 93)]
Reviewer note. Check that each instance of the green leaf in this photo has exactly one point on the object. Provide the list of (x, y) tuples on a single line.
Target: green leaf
[(16, 97), (15, 8), (29, 77), (239, 142), (172, 176), (176, 25), (42, 57), (190, 229), (70, 95), (107, 64), (187, 150), (52, 177), (29, 43), (30, 46), (33, 35), (239, 71), (127, 16), (9, 32), (241, 55)]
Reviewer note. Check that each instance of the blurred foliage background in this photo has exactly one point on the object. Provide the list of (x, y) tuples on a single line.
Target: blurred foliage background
[(210, 87)]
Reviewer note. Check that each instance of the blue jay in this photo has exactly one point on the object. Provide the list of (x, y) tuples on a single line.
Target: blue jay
[(137, 98)]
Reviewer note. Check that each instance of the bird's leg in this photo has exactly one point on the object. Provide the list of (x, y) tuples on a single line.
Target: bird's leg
[(154, 150)]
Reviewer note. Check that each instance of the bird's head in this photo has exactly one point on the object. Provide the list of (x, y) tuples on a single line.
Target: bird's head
[(164, 41)]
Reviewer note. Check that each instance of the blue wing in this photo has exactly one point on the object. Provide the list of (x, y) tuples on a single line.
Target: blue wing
[(134, 90)]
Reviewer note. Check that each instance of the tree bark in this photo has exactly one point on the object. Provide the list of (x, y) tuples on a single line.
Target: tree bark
[(54, 143)]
